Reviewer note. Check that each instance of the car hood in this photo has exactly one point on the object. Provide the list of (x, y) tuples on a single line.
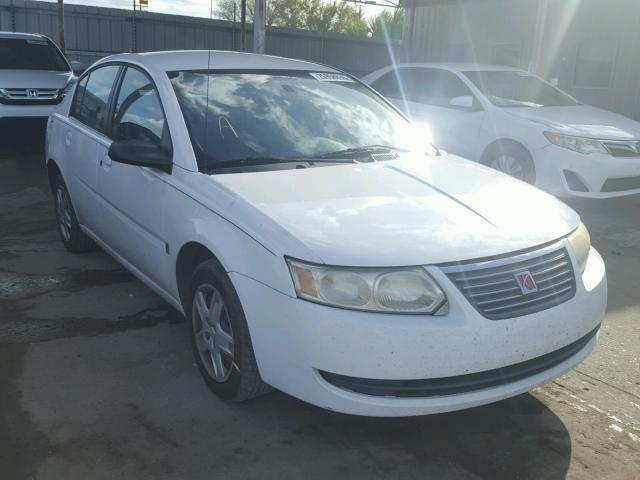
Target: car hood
[(412, 211), (581, 120), (33, 79)]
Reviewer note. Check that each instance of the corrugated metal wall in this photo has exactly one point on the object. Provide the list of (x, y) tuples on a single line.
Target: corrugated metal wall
[(92, 32)]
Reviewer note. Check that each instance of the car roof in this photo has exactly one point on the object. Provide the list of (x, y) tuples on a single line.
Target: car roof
[(216, 60), (461, 66), (22, 36)]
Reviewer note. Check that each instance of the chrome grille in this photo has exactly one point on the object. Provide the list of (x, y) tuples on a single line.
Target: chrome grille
[(623, 148), (491, 287), (26, 93)]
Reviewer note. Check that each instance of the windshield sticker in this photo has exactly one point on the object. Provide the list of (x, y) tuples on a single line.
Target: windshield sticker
[(37, 42), (331, 77)]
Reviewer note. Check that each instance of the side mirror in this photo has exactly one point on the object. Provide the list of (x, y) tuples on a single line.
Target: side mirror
[(77, 67), (465, 101), (142, 154)]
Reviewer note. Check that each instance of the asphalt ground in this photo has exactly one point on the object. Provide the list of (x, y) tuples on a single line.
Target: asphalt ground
[(97, 379)]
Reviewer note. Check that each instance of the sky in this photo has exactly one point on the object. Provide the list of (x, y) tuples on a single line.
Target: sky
[(195, 8)]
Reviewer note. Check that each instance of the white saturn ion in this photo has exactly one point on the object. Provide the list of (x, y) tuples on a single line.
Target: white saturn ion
[(519, 124), (284, 208)]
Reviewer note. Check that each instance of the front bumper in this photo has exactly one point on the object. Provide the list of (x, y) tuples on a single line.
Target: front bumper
[(27, 111), (295, 340), (565, 173)]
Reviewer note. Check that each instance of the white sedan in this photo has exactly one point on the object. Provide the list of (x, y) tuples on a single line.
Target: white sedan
[(284, 208), (519, 124)]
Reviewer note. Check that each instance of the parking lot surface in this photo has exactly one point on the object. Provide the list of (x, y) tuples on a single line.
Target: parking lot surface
[(98, 380)]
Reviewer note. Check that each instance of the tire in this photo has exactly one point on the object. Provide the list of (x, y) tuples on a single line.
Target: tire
[(72, 236), (221, 344), (513, 160)]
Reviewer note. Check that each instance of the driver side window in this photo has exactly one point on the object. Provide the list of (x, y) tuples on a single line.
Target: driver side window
[(138, 114)]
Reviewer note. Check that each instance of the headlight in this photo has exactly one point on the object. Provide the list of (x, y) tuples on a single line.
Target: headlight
[(577, 144), (580, 244), (397, 290)]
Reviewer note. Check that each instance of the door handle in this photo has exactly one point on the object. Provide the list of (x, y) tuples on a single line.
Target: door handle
[(67, 138)]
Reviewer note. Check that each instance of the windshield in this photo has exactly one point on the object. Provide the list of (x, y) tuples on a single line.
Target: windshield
[(518, 89), (283, 114), (20, 54)]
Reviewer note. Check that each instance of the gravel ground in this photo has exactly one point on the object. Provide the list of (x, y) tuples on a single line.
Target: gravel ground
[(98, 381)]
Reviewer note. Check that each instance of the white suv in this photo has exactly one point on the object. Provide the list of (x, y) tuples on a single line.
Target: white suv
[(289, 212), (34, 75)]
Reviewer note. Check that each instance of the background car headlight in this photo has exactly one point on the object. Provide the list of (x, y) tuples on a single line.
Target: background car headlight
[(577, 144), (397, 290), (581, 244)]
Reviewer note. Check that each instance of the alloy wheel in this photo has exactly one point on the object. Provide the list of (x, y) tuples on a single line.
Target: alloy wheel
[(63, 209), (510, 165), (213, 333)]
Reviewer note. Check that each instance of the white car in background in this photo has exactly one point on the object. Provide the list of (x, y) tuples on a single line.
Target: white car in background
[(519, 124), (34, 75), (280, 205)]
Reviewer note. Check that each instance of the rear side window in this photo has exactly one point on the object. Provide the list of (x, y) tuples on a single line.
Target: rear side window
[(387, 85), (138, 113), (434, 87), (30, 54), (92, 101)]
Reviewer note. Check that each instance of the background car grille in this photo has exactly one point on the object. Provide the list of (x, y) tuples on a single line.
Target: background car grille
[(20, 96), (623, 149), (495, 293)]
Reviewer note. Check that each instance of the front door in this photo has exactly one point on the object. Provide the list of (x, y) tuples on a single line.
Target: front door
[(133, 197)]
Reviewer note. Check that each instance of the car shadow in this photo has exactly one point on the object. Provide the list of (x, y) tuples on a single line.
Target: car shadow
[(516, 438)]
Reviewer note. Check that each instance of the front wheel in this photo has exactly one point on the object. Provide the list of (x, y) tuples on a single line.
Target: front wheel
[(220, 336), (512, 160)]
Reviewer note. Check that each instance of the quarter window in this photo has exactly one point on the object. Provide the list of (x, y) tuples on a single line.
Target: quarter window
[(93, 99), (138, 113)]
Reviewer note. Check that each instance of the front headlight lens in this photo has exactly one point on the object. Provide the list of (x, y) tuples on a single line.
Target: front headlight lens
[(582, 145), (398, 290), (580, 242)]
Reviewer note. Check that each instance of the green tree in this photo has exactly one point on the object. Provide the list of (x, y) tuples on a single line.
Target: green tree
[(393, 21), (314, 15)]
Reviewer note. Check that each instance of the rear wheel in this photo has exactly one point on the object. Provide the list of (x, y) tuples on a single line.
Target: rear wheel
[(73, 238), (512, 160), (220, 336)]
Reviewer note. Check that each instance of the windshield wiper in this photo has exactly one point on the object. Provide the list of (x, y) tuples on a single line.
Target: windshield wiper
[(365, 149), (253, 161)]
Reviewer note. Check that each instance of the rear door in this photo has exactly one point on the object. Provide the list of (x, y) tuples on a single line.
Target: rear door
[(84, 140), (133, 197)]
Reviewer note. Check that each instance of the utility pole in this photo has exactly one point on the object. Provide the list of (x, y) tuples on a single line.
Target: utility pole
[(61, 25), (259, 25), (133, 28), (243, 25), (13, 16), (233, 29)]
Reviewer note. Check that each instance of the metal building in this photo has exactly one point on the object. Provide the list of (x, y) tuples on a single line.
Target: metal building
[(590, 48)]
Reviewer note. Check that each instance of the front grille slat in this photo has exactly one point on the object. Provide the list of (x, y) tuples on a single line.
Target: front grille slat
[(520, 297), (527, 302), (491, 287), (509, 269)]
